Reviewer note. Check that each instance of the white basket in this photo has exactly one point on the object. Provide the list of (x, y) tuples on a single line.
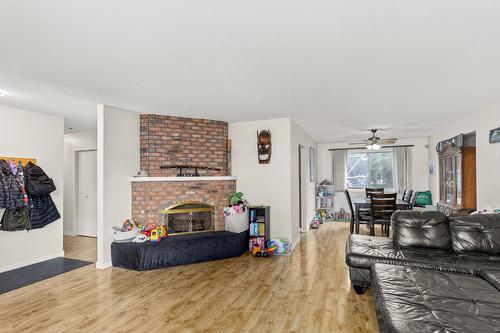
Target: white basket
[(236, 223)]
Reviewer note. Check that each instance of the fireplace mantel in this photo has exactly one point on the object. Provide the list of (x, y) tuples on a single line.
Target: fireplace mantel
[(180, 179)]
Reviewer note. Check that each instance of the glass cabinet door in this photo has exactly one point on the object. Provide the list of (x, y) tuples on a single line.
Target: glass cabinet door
[(458, 168), (449, 181)]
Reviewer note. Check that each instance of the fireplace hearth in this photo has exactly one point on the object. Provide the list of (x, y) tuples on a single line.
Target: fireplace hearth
[(189, 217)]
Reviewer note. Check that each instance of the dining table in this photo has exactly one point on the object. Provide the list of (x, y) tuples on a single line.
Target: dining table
[(363, 203)]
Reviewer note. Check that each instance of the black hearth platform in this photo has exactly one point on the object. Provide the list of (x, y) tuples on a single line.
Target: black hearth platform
[(179, 250)]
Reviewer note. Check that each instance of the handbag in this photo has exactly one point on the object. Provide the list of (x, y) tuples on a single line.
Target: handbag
[(16, 219)]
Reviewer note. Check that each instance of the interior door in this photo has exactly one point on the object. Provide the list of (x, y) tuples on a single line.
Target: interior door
[(86, 189)]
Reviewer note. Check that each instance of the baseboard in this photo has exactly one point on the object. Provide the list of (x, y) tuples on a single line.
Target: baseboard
[(103, 265), (69, 233), (31, 262), (294, 245)]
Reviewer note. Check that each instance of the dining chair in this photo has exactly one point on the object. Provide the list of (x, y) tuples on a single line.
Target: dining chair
[(407, 198), (370, 191), (383, 206), (413, 200), (404, 194), (364, 214)]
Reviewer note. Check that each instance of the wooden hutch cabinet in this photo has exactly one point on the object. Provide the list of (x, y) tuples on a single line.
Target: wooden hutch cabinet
[(457, 180)]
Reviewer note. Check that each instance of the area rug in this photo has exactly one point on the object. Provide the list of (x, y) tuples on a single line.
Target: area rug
[(24, 276)]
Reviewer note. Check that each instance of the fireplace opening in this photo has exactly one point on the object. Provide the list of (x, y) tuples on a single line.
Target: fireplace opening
[(189, 217)]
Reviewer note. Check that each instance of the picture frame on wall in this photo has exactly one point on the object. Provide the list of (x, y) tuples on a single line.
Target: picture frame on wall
[(495, 135), (312, 165)]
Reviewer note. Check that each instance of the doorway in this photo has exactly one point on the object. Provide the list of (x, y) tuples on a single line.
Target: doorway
[(302, 189), (86, 193), (83, 244)]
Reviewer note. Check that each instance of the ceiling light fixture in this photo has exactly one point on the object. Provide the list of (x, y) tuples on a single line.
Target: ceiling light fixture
[(376, 146)]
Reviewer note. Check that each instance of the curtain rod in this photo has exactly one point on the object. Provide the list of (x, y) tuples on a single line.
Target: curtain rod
[(356, 148)]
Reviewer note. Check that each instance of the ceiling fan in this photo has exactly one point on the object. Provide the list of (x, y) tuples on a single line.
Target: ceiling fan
[(374, 142)]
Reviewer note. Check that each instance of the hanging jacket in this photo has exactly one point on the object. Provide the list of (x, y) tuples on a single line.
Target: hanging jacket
[(37, 181), (10, 189), (43, 211)]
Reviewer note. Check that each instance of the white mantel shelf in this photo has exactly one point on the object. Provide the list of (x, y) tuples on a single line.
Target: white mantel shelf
[(179, 179)]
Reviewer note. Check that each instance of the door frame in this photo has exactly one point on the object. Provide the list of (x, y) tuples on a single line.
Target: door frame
[(75, 185), (303, 227)]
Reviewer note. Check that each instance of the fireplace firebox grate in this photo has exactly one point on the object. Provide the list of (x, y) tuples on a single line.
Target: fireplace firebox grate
[(189, 217)]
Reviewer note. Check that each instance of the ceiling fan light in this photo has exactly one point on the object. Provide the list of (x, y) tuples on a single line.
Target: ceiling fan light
[(376, 146), (369, 147)]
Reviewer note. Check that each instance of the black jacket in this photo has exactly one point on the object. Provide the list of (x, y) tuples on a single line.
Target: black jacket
[(43, 211)]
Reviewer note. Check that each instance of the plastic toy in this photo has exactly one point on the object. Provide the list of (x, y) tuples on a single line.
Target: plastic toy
[(258, 251), (271, 248), (282, 246), (148, 228), (162, 232), (155, 238), (140, 238)]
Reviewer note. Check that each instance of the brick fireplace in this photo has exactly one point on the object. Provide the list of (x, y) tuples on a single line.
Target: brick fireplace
[(169, 141), (151, 196)]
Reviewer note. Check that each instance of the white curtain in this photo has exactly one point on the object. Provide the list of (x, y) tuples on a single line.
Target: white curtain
[(338, 168), (402, 158)]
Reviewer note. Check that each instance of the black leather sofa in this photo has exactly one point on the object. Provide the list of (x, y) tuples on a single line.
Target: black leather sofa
[(411, 299), (427, 240), (434, 275)]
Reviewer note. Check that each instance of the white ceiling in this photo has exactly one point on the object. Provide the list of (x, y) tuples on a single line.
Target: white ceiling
[(336, 67)]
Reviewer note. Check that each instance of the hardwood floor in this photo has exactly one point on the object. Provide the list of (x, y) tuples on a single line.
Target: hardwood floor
[(80, 247), (306, 292)]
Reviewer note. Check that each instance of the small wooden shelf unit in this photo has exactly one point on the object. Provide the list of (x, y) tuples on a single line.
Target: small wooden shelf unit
[(260, 218)]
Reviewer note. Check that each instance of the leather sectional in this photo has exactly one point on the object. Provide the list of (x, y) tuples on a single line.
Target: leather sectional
[(436, 274)]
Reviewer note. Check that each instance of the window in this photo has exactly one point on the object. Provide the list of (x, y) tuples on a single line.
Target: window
[(369, 169)]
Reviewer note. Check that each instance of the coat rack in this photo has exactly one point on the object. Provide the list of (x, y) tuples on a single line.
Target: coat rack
[(23, 160)]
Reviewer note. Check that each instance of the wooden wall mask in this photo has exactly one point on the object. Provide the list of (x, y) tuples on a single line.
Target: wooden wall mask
[(264, 146)]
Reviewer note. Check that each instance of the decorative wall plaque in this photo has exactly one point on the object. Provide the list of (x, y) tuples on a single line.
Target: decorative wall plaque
[(495, 135), (264, 146)]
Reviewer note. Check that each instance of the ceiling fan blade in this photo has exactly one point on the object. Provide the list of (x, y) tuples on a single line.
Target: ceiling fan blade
[(387, 141), (358, 143)]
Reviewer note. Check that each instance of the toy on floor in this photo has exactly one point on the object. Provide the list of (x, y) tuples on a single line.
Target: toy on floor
[(315, 224), (282, 246), (259, 251)]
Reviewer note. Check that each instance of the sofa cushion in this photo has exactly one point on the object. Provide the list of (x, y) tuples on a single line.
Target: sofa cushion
[(492, 277), (410, 299), (363, 251), (421, 229), (477, 233)]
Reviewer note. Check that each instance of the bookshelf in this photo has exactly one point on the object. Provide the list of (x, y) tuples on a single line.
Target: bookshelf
[(260, 218), (325, 196)]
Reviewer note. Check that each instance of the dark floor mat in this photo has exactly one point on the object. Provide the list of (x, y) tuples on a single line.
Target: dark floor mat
[(21, 277)]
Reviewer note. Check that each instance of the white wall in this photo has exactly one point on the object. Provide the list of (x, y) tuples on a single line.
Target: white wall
[(420, 166), (274, 184), (35, 135), (487, 155), (72, 143), (117, 160), (264, 184)]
